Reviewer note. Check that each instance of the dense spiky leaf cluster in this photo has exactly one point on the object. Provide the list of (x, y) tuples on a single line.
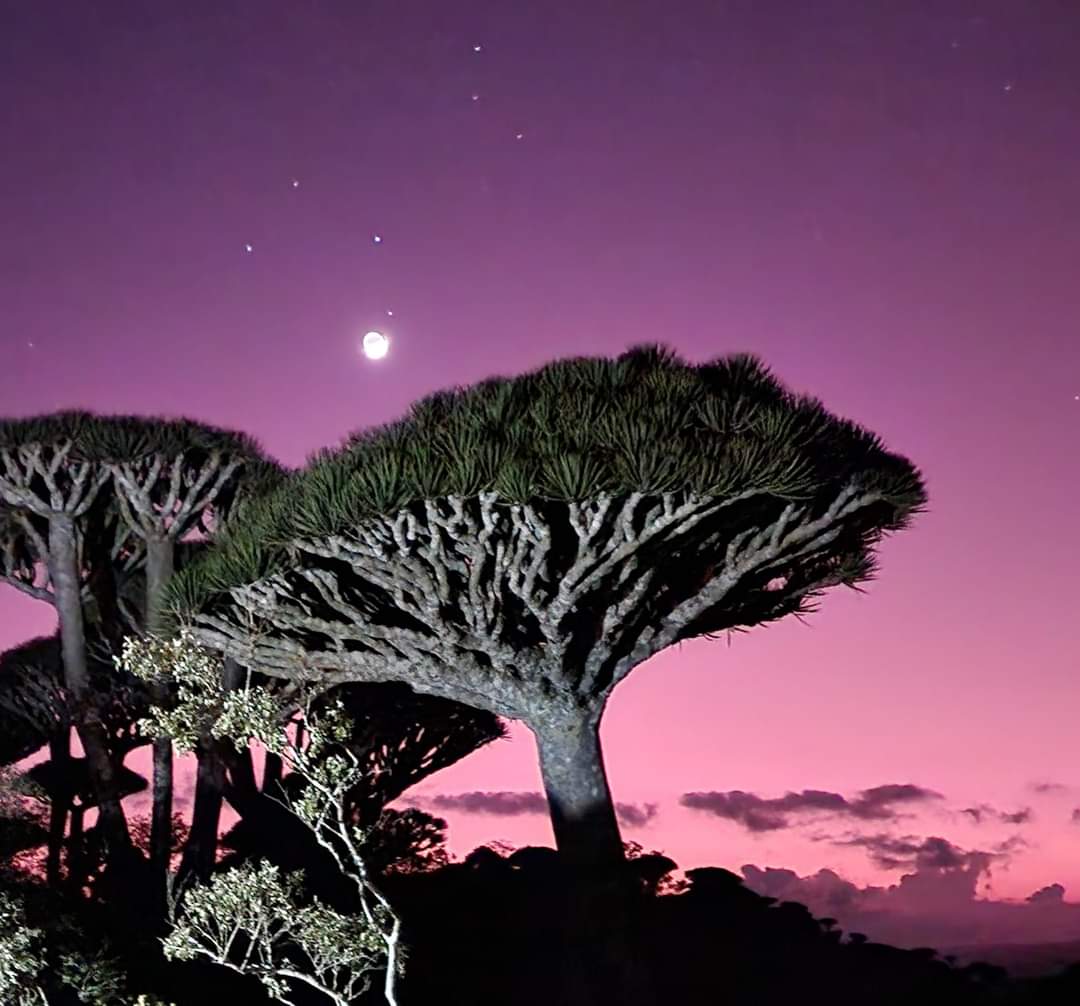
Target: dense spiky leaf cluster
[(120, 438), (66, 442), (573, 430)]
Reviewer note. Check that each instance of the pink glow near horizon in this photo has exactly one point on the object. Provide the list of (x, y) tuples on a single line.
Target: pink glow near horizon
[(841, 191)]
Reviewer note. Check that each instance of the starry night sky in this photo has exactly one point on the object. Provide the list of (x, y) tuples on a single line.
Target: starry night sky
[(879, 199)]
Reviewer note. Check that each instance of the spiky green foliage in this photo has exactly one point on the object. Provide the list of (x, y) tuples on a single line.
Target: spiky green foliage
[(118, 438), (86, 437), (573, 430)]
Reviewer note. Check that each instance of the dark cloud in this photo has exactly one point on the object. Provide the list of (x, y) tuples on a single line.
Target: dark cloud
[(1049, 787), (635, 815), (500, 804), (877, 803), (511, 804), (1052, 894), (892, 853), (1076, 816), (758, 814), (984, 812), (938, 903)]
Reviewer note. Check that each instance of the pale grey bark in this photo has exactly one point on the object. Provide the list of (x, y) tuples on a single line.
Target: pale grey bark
[(161, 522), (70, 488), (469, 599), (23, 556), (159, 567), (64, 573), (575, 781)]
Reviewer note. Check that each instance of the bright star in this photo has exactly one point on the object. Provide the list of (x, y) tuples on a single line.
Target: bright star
[(249, 248), (477, 48), (377, 238)]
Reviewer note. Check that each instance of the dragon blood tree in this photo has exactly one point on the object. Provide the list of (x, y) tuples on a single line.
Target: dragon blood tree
[(34, 703), (95, 499), (521, 545), (169, 478), (56, 492), (35, 711)]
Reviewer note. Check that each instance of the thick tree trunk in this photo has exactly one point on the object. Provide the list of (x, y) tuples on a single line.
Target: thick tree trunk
[(59, 805), (241, 790), (602, 952), (159, 567), (273, 771), (77, 869), (582, 811), (64, 572), (200, 850)]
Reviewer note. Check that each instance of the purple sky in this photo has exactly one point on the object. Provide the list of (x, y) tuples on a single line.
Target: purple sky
[(879, 199)]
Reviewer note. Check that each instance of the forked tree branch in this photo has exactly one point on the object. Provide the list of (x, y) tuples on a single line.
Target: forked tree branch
[(422, 596)]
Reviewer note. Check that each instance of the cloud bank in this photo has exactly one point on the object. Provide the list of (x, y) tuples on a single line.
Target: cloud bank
[(936, 904), (517, 804), (984, 812), (759, 814)]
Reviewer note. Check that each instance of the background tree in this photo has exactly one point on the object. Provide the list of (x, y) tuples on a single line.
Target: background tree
[(398, 738), (522, 545), (171, 478), (47, 476), (138, 487), (35, 707), (35, 711)]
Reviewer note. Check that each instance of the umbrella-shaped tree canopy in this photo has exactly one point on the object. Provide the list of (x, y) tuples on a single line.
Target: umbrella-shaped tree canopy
[(35, 706), (86, 438), (522, 544), (79, 483)]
